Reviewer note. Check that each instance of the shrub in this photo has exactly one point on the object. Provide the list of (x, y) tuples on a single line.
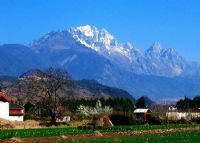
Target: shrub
[(196, 120), (30, 116), (119, 119), (184, 121), (154, 120), (78, 117)]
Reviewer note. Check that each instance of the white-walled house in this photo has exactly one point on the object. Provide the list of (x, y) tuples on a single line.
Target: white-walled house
[(4, 113), (9, 110), (4, 106), (182, 115)]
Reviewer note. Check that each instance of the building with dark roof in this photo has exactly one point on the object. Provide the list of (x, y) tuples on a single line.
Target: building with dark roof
[(16, 112)]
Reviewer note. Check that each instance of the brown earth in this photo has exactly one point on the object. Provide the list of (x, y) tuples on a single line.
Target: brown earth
[(31, 124), (5, 124), (98, 135)]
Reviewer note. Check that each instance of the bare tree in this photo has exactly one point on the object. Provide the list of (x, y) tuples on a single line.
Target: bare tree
[(48, 89)]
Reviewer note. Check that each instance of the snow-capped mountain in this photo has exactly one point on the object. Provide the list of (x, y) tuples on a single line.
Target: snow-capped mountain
[(99, 40), (91, 53), (153, 61), (104, 44)]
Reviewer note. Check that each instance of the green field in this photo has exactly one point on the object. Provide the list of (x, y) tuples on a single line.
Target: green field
[(180, 137), (58, 131)]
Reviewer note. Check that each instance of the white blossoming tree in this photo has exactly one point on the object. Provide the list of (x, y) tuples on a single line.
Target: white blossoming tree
[(98, 109)]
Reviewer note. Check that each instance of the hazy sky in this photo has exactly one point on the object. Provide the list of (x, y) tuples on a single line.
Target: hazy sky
[(174, 23)]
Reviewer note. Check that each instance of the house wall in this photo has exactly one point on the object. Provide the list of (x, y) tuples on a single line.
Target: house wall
[(16, 118), (182, 115), (4, 110), (140, 115)]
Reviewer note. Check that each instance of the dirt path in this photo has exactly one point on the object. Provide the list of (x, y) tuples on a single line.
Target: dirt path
[(98, 135)]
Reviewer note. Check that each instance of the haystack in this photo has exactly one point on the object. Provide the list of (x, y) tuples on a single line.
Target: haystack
[(102, 120)]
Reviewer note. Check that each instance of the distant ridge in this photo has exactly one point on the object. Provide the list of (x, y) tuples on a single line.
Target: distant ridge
[(98, 88), (32, 73), (82, 88)]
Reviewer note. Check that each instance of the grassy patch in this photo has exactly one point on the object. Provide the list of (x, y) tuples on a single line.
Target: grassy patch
[(179, 137), (145, 127), (58, 131), (44, 132)]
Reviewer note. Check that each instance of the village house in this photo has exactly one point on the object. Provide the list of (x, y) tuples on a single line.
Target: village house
[(9, 110), (142, 114), (16, 112), (172, 108), (4, 106), (178, 115)]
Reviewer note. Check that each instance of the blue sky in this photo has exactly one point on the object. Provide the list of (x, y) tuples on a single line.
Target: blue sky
[(174, 23)]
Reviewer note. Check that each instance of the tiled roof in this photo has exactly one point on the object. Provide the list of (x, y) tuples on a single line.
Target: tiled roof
[(4, 98)]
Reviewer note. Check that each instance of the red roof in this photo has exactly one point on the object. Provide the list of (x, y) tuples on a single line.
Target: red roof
[(16, 112), (4, 98)]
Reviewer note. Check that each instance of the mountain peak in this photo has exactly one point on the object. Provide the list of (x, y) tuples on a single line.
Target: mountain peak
[(87, 30), (156, 48), (92, 33), (99, 40)]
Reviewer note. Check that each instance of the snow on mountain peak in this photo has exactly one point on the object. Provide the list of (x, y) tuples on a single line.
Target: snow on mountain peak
[(92, 34), (155, 50), (156, 47), (99, 40), (87, 30)]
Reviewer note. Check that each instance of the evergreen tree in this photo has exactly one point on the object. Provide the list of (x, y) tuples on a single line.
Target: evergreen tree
[(196, 101), (141, 102), (185, 103)]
